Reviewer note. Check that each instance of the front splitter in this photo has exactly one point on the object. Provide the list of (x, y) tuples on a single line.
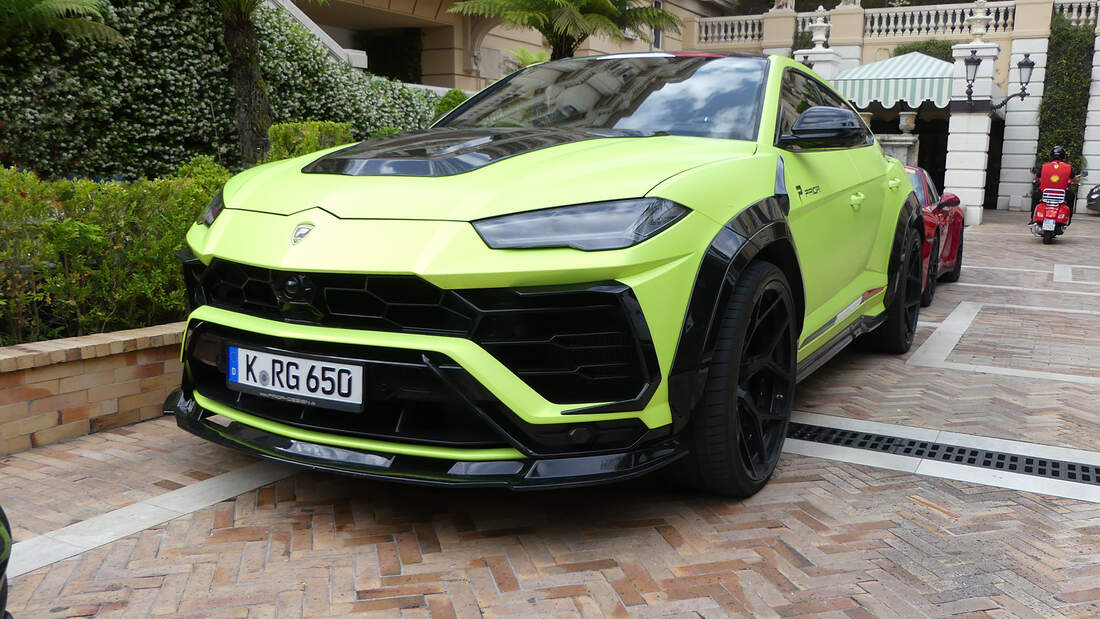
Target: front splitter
[(520, 474)]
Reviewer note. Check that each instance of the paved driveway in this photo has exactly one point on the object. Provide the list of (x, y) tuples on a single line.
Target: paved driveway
[(875, 510)]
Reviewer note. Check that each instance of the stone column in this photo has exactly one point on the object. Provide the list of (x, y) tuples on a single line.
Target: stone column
[(968, 129), (1031, 33), (846, 33), (1091, 150), (778, 33)]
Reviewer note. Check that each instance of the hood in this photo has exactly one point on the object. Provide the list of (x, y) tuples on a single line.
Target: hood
[(445, 152), (462, 175)]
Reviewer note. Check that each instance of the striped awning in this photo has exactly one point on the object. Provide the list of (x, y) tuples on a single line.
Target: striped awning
[(913, 78)]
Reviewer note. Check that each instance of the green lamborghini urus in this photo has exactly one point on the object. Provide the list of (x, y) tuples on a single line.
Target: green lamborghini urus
[(591, 270)]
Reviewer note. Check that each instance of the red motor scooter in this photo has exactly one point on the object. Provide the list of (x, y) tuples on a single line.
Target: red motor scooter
[(1053, 213)]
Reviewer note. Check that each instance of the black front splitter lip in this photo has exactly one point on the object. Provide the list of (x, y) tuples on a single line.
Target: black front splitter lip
[(520, 474)]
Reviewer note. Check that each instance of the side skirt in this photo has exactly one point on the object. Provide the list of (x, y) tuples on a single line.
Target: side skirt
[(864, 324)]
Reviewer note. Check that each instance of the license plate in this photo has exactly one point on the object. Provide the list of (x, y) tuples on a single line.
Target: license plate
[(299, 380), (1048, 224)]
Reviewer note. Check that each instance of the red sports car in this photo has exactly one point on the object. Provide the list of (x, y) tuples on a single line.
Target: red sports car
[(943, 233)]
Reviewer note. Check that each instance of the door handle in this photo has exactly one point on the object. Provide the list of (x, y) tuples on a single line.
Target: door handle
[(856, 200), (894, 183)]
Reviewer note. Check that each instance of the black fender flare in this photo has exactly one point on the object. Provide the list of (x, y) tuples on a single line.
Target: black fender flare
[(908, 217), (761, 230)]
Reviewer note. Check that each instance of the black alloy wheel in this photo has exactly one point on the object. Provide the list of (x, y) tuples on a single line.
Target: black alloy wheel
[(895, 335), (738, 429)]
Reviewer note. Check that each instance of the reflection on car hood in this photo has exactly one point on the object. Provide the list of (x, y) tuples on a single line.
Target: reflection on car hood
[(443, 152), (590, 169)]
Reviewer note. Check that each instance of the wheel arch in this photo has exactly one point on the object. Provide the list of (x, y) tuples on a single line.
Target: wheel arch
[(759, 232), (909, 216)]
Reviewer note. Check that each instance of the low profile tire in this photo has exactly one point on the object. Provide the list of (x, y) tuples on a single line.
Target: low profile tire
[(737, 429), (895, 336), (956, 271), (1048, 237), (929, 292)]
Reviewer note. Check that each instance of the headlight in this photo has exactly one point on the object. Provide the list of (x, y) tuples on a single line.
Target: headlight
[(215, 208), (590, 227)]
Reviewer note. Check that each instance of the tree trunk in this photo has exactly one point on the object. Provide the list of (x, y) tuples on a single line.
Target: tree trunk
[(253, 109), (562, 47)]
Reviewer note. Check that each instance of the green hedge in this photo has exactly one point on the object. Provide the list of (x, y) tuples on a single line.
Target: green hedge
[(935, 48), (449, 101), (1065, 91), (294, 139), (79, 257), (104, 110), (307, 84)]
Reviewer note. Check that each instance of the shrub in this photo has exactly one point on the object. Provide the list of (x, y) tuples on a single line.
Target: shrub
[(120, 111), (1065, 90), (294, 139), (525, 57), (449, 101), (101, 110), (935, 48), (384, 131), (78, 256), (307, 84)]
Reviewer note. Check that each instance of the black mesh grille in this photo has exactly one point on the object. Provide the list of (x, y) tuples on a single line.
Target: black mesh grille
[(410, 396), (571, 345)]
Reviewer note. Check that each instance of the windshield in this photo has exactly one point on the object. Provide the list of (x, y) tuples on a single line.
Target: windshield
[(700, 95)]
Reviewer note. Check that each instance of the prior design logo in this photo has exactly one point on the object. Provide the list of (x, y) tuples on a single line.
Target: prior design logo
[(807, 190), (300, 233)]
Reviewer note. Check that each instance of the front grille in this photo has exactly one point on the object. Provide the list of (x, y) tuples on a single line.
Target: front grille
[(410, 396), (570, 344)]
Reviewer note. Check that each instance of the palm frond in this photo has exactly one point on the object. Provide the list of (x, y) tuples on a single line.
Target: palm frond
[(238, 10), (572, 20), (79, 28), (70, 18), (651, 17)]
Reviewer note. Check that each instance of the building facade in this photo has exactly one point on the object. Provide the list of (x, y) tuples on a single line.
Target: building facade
[(979, 150)]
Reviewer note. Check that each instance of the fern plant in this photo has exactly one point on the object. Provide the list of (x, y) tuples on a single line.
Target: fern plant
[(525, 57), (68, 18), (565, 24)]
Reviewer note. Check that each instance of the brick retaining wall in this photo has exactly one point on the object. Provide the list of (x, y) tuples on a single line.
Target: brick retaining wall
[(58, 389)]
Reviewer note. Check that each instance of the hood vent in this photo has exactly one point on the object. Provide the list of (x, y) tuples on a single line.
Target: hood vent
[(446, 152)]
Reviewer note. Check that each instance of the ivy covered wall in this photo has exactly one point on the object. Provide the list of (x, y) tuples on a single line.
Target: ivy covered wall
[(142, 108), (1065, 90)]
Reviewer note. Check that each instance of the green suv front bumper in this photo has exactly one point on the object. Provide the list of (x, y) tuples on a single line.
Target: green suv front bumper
[(522, 386)]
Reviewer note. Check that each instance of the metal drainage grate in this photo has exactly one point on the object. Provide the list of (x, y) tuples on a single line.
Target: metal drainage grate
[(998, 460)]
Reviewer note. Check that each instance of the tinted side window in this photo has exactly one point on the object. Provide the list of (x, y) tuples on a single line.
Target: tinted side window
[(834, 100), (798, 95), (918, 186), (933, 193)]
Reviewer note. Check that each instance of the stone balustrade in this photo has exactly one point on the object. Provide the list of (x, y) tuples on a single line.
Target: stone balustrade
[(1078, 12), (742, 29), (933, 20)]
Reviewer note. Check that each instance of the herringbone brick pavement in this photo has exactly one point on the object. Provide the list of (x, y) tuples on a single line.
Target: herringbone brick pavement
[(887, 389), (823, 539), (54, 486)]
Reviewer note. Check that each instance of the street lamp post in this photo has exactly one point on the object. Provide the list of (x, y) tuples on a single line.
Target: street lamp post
[(1026, 66)]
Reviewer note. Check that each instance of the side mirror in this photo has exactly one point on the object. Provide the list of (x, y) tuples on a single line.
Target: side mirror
[(824, 127), (947, 200)]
